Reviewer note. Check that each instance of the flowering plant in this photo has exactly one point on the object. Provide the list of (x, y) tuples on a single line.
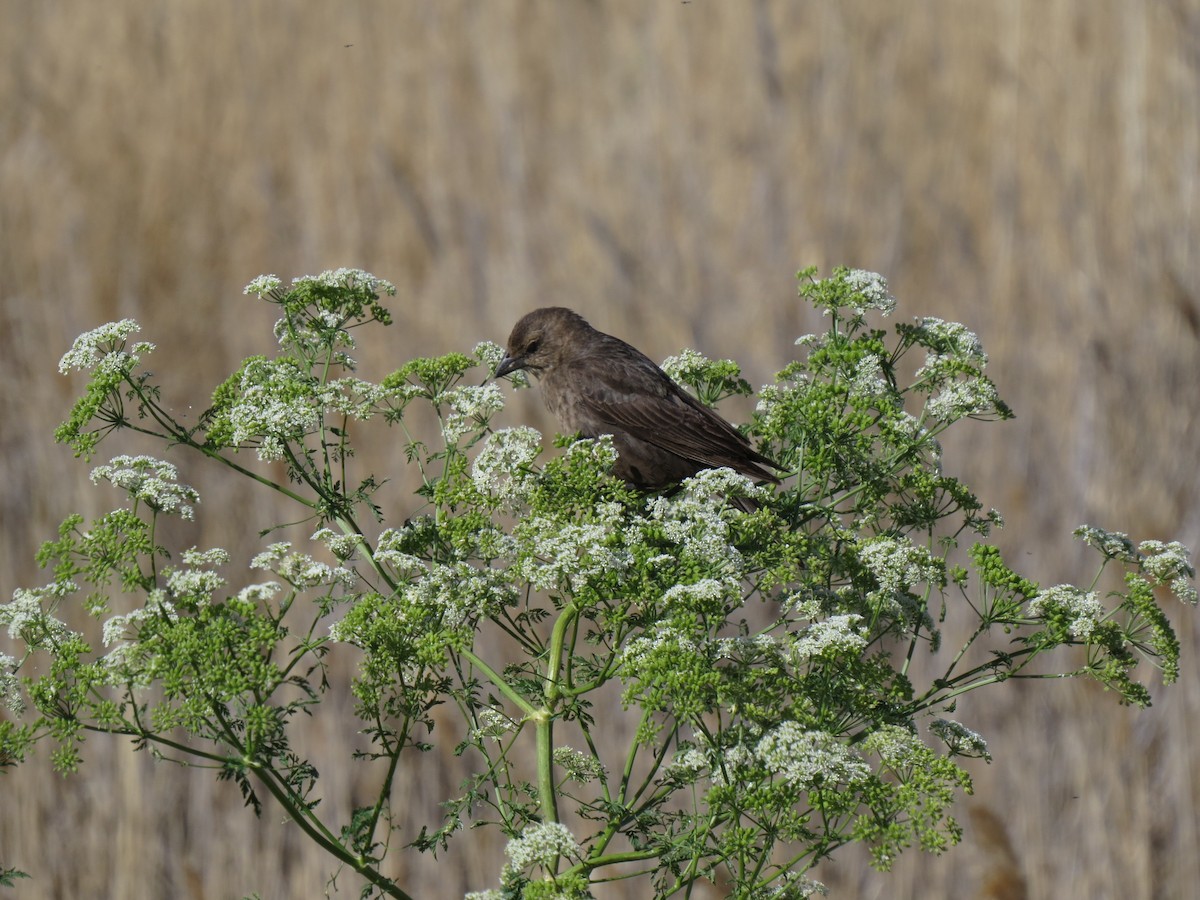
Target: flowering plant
[(762, 652)]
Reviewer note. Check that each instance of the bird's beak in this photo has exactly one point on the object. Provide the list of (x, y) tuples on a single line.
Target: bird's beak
[(509, 364)]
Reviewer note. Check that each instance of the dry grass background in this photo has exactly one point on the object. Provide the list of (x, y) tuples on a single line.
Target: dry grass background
[(1030, 167)]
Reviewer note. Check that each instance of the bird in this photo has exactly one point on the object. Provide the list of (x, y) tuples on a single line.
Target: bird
[(597, 384)]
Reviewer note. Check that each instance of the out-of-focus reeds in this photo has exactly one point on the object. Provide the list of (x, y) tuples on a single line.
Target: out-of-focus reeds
[(1029, 168)]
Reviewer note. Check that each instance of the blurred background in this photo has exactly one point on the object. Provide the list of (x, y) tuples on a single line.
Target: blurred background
[(1028, 167)]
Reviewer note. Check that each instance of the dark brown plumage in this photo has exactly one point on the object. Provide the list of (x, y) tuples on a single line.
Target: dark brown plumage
[(597, 384)]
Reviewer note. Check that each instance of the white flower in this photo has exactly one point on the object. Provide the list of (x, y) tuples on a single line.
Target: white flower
[(460, 593), (252, 596), (872, 292), (471, 407), (691, 519), (949, 342), (488, 353), (1170, 563), (1113, 544), (541, 844), (666, 639), (276, 405), (898, 565), (10, 685), (504, 464), (212, 557), (271, 556), (868, 382), (492, 724), (194, 584), (809, 758), (263, 284), (837, 634), (960, 739), (347, 278), (352, 397), (103, 348), (707, 595), (689, 366), (570, 552), (151, 481), (1082, 607), (299, 569), (28, 620), (689, 763), (582, 767), (343, 546), (958, 399)]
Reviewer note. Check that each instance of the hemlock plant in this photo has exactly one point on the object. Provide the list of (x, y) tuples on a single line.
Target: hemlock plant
[(763, 660)]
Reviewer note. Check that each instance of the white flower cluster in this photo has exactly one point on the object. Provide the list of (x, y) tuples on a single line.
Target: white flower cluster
[(489, 354), (868, 382), (102, 350), (871, 290), (837, 634), (898, 565), (10, 685), (459, 592), (352, 397), (117, 628), (541, 845), (28, 615), (640, 651), (956, 344), (691, 519), (1113, 544), (960, 739), (898, 747), (299, 569), (503, 467), (722, 765), (570, 552), (275, 405), (492, 724), (1163, 562), (951, 348), (195, 583), (765, 647), (1083, 608), (342, 546), (252, 596), (470, 408), (579, 766), (690, 366), (344, 278), (707, 596), (151, 481), (958, 399), (809, 758), (1170, 563), (792, 886), (263, 285), (307, 337), (388, 552)]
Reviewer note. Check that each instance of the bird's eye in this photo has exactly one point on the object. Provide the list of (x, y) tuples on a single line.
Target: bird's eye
[(532, 346)]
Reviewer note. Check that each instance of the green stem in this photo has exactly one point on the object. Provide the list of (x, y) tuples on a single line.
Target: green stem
[(503, 686), (543, 723)]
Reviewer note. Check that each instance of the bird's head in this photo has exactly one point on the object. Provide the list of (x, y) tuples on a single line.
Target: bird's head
[(540, 340)]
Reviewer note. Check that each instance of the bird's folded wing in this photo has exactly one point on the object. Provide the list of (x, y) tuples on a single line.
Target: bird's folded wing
[(625, 395)]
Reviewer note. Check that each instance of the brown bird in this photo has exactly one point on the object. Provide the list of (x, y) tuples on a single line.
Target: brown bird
[(595, 384)]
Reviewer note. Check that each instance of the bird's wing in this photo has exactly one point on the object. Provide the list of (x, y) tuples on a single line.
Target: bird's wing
[(629, 393)]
